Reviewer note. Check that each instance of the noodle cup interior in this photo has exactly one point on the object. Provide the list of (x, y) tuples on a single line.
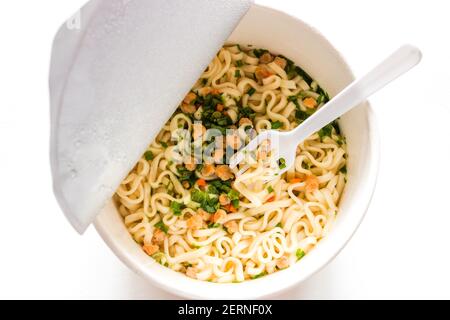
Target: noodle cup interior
[(280, 33)]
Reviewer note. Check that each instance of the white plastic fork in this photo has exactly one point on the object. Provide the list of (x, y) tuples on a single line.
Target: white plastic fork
[(401, 61)]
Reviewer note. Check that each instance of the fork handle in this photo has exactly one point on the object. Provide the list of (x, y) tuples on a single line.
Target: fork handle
[(401, 61)]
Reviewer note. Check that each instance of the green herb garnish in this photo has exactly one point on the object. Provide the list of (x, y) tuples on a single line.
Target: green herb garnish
[(164, 144), (301, 115), (251, 91), (326, 131), (247, 112), (282, 163), (212, 189), (237, 74), (186, 175), (323, 94), (270, 189), (336, 127), (277, 125), (211, 118), (262, 274), (222, 186), (294, 99), (161, 226), (198, 196), (259, 52), (239, 63), (302, 73), (177, 207), (300, 254), (235, 203), (208, 203), (213, 225), (320, 99), (149, 156), (233, 195)]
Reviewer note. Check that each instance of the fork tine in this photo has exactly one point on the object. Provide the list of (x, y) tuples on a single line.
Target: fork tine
[(251, 146), (237, 158), (243, 170)]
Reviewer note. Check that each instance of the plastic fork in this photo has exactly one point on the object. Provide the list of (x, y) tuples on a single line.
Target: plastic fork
[(401, 61)]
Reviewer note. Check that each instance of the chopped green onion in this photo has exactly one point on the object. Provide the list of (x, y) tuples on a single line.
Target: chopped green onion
[(282, 163), (279, 225), (212, 189), (336, 127), (198, 196), (300, 254), (235, 203), (251, 91), (262, 274), (164, 144), (207, 203), (149, 156), (213, 225), (161, 226), (186, 175), (270, 189), (239, 63), (233, 195), (247, 112), (237, 74), (222, 186), (320, 99), (259, 52), (323, 93), (176, 207), (277, 125), (301, 115), (326, 131), (293, 99)]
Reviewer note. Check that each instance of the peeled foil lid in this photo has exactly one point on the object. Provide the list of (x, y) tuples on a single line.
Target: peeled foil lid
[(119, 70)]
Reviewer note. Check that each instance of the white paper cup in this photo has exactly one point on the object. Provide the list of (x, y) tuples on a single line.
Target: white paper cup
[(278, 32)]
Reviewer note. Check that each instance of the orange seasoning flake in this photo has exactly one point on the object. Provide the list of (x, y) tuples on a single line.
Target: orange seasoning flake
[(150, 249), (310, 103), (312, 183), (201, 182)]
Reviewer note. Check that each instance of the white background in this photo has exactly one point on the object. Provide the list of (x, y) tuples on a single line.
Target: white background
[(400, 251)]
